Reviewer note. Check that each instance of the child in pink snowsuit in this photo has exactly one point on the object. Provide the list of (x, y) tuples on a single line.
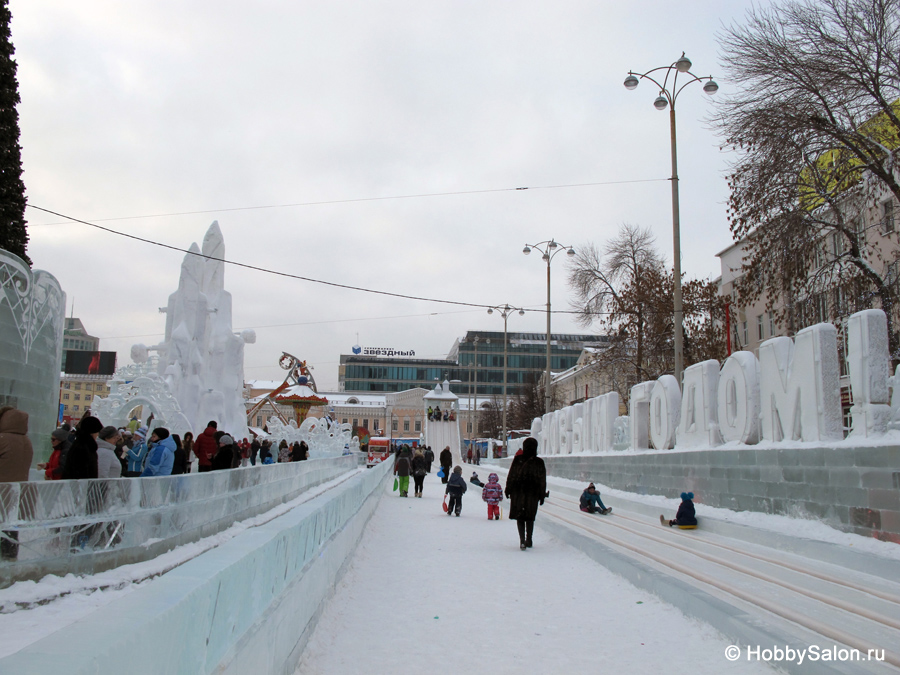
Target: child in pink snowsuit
[(492, 493)]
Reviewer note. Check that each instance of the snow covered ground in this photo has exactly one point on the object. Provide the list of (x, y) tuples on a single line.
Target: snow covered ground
[(426, 589)]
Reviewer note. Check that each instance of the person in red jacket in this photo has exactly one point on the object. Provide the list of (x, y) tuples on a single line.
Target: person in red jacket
[(206, 447)]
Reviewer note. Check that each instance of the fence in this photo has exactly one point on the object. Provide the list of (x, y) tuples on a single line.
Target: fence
[(86, 526)]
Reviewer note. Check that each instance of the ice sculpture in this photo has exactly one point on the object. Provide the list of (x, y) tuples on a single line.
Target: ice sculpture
[(140, 385), (325, 437), (32, 313), (201, 359)]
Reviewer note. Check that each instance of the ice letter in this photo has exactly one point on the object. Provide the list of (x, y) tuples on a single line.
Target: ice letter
[(869, 363), (606, 409), (564, 438), (639, 406), (738, 398), (800, 386), (665, 409), (699, 425), (578, 425)]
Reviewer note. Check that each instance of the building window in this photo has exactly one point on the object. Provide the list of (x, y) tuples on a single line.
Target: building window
[(75, 408), (394, 425), (887, 216), (343, 420), (468, 427), (66, 385), (745, 335), (65, 408), (88, 386), (418, 425), (65, 397), (259, 421), (406, 425), (771, 324), (77, 397), (365, 424), (837, 244), (759, 327), (375, 425), (78, 385), (355, 422)]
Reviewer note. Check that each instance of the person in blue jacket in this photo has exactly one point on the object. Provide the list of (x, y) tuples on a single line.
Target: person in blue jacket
[(590, 501), (136, 454), (161, 455)]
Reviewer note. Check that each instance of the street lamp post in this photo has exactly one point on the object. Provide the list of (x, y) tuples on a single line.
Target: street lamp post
[(549, 249), (505, 311), (665, 99)]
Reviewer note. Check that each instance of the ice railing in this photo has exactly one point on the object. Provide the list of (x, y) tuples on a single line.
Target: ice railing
[(61, 519)]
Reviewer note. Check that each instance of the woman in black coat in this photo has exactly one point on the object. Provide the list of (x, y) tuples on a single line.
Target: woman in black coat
[(526, 487), (81, 462), (446, 458)]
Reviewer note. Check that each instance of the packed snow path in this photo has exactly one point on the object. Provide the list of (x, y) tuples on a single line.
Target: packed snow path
[(425, 588)]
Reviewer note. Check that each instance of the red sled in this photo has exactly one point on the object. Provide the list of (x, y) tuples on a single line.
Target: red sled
[(444, 504)]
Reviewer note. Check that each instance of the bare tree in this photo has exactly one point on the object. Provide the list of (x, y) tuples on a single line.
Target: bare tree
[(627, 290), (816, 123)]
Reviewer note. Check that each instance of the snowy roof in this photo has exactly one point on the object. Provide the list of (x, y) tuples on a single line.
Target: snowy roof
[(300, 392), (441, 392)]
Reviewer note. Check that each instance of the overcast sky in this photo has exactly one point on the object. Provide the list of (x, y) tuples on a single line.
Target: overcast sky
[(132, 111)]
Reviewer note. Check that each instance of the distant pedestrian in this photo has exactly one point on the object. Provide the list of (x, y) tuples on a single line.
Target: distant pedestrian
[(180, 464), (429, 458), (492, 493), (135, 455), (419, 471), (188, 444), (206, 447), (16, 455), (53, 467), (284, 452), (224, 458), (446, 460), (108, 464), (456, 488), (402, 469), (304, 451), (265, 452), (160, 455), (82, 459), (254, 450), (526, 487), (469, 456)]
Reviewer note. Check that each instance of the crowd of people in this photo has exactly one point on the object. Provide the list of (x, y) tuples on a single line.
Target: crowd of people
[(435, 415), (526, 484), (91, 450)]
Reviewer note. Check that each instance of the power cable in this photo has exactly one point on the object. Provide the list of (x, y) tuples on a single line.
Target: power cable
[(362, 199), (282, 274)]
